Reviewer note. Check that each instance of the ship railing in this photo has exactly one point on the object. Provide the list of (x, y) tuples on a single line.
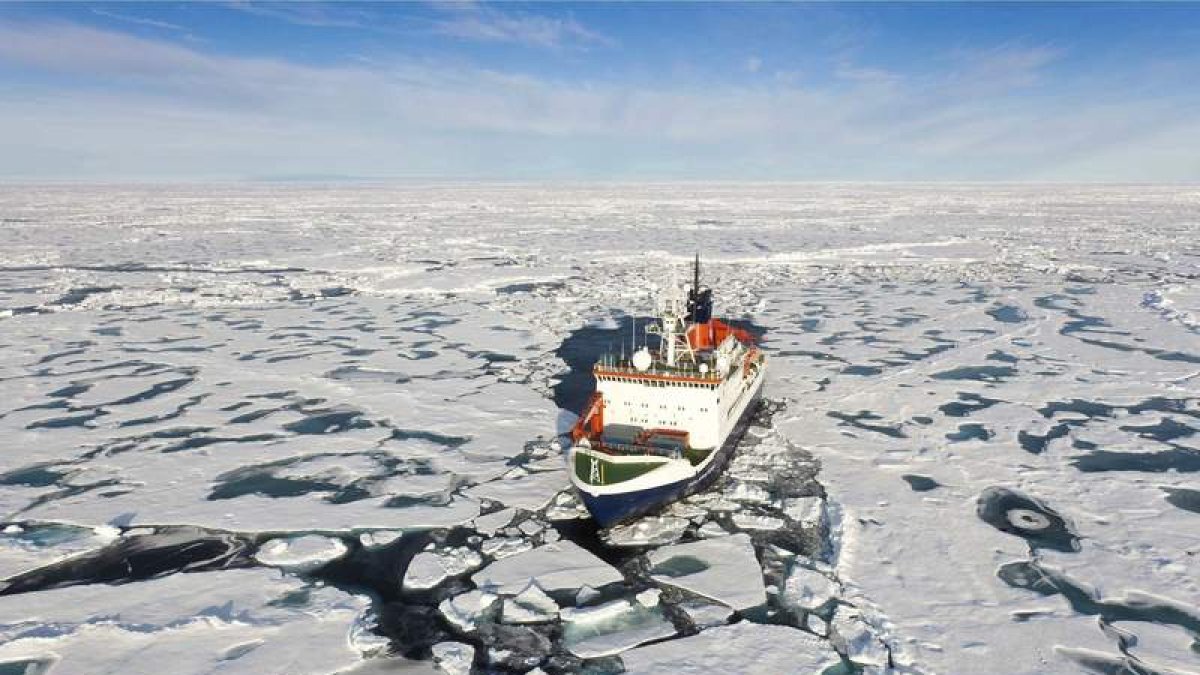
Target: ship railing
[(689, 373), (630, 449)]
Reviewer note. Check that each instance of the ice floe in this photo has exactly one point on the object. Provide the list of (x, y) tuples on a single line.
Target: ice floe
[(715, 568), (430, 568), (996, 384), (561, 566), (647, 531), (612, 627), (245, 621), (467, 610), (453, 658), (808, 589), (739, 648), (300, 553), (531, 605)]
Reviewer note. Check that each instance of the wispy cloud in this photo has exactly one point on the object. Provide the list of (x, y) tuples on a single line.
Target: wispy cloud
[(1004, 66), (167, 110), (473, 21), (137, 20), (463, 20), (316, 14)]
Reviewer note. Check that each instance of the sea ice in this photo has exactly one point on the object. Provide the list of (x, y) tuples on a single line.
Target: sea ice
[(241, 621), (566, 507), (647, 531), (649, 597), (503, 547), (31, 546), (808, 589), (809, 512), (851, 635), (612, 627), (746, 491), (738, 648), (467, 610), (531, 605), (724, 569), (754, 521), (561, 566), (379, 538), (453, 658), (430, 568), (705, 614), (490, 523), (300, 554), (530, 491), (258, 367)]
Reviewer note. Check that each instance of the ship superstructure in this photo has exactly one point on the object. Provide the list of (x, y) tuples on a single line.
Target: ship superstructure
[(663, 422)]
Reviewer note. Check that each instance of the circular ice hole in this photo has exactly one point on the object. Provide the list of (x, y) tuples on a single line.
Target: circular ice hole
[(1028, 520)]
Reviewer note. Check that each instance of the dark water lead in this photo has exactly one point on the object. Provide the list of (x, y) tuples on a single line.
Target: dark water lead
[(1036, 444), (1164, 430), (37, 475), (1178, 459), (141, 556), (75, 296), (1133, 605), (1018, 514), (969, 432), (290, 477), (1183, 498), (859, 419), (967, 403), (920, 483), (977, 373), (864, 371), (1007, 314), (530, 287), (36, 666)]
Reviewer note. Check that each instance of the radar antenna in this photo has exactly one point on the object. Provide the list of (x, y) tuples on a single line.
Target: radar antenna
[(699, 302)]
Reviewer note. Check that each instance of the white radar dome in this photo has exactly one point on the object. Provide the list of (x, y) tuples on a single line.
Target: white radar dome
[(703, 368), (641, 359)]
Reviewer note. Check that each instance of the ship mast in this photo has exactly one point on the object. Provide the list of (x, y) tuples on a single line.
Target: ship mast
[(674, 315)]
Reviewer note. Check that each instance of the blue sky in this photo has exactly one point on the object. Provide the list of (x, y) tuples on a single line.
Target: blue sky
[(631, 91)]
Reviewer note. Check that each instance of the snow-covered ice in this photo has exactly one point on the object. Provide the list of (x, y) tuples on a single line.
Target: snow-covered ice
[(808, 589), (649, 530), (612, 627), (430, 568), (561, 566), (531, 605), (467, 610), (245, 621), (240, 404), (723, 568), (300, 553), (739, 648), (453, 658)]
